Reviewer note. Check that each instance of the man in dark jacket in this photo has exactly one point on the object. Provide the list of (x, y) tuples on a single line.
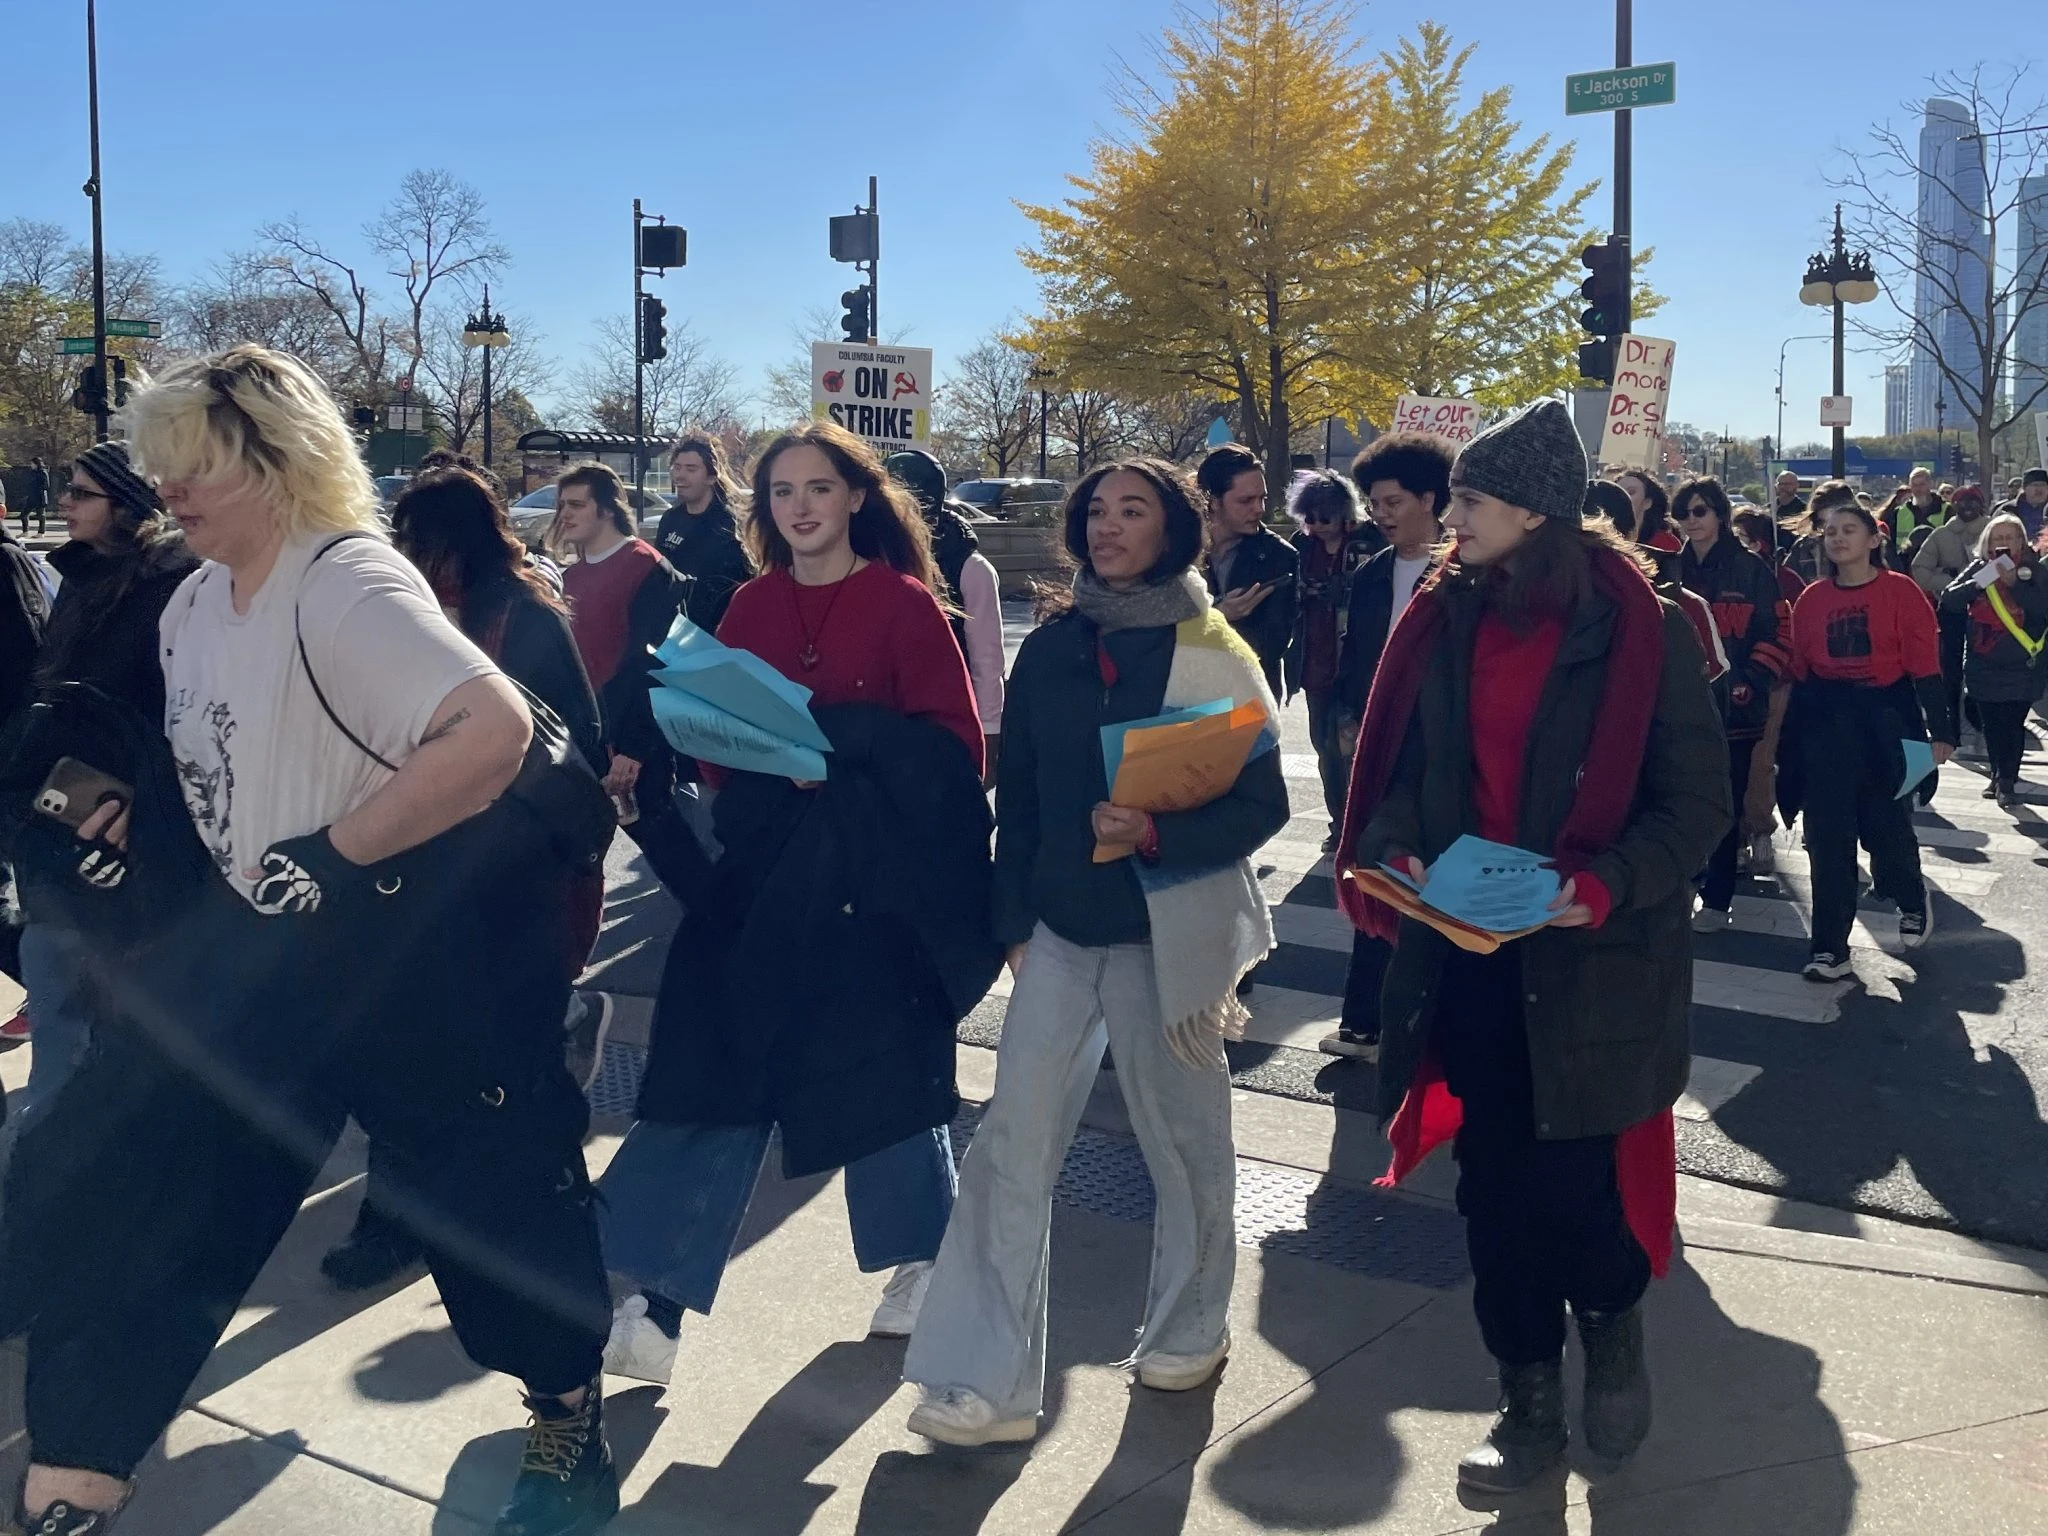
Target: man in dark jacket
[(2031, 505), (1251, 570), (35, 497), (699, 536), (1405, 478)]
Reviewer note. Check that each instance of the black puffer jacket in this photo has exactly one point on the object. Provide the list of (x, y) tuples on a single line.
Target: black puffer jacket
[(1608, 1008), (846, 933)]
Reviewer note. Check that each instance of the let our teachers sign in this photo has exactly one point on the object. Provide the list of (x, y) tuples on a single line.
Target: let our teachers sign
[(1636, 407)]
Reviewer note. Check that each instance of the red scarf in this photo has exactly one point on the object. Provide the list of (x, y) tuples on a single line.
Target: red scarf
[(1614, 756)]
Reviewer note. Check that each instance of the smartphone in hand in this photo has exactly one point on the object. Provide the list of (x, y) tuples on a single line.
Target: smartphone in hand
[(74, 790)]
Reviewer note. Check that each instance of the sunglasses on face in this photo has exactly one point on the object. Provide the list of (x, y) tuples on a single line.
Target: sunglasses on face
[(1687, 514), (1322, 517)]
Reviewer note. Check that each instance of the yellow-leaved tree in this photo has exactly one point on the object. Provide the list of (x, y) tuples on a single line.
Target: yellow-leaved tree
[(1296, 231), (1224, 246)]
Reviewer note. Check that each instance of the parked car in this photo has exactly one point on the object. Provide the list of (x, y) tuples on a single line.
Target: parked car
[(531, 514), (1016, 497)]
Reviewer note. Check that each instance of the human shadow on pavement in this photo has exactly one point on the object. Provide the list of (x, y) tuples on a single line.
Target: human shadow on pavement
[(762, 1486), (1131, 1497), (484, 1470), (416, 1367), (200, 1489), (1899, 1093), (1742, 1444)]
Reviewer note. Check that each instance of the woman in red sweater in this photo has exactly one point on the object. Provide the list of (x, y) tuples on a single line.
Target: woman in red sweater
[(845, 607), (1866, 670), (1538, 691)]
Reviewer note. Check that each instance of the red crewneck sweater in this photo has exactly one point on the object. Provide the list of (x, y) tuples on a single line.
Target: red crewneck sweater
[(881, 638)]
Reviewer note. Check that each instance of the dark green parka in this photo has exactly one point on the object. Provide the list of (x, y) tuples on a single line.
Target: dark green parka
[(1608, 1008)]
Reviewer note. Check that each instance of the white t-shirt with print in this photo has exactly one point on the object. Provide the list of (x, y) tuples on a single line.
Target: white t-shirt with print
[(258, 758), (1407, 576)]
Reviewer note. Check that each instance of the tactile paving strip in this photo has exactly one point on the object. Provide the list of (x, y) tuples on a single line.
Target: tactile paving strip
[(1365, 1231)]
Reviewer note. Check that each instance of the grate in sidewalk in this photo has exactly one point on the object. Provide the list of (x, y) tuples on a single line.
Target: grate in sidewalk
[(1364, 1231)]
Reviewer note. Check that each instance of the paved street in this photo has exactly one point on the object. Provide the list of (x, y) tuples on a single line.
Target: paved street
[(1821, 1369)]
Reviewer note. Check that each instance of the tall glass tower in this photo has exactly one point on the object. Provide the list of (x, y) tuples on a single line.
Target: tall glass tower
[(1954, 245), (2030, 335)]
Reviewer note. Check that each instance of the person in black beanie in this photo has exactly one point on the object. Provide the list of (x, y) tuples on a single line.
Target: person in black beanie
[(124, 559), (1558, 1055)]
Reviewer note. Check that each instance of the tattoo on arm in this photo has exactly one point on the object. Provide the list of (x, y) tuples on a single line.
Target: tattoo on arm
[(445, 727)]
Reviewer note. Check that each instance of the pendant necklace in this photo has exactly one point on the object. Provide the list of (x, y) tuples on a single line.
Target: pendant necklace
[(807, 654)]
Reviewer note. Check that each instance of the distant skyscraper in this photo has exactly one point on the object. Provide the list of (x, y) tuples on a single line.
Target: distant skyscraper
[(1954, 244), (2030, 349), (1896, 399)]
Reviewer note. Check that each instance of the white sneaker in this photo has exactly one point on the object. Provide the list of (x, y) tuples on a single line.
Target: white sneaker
[(956, 1416), (1711, 920), (901, 1298), (1182, 1373), (638, 1348)]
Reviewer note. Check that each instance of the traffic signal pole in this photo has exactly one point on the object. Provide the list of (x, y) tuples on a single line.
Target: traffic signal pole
[(639, 364), (99, 250), (1624, 169), (874, 270)]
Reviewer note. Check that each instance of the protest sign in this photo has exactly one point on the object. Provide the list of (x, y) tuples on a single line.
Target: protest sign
[(1635, 408), (1457, 420), (883, 394)]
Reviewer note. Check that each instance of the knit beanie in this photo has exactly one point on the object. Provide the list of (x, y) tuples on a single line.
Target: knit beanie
[(1533, 460), (108, 464)]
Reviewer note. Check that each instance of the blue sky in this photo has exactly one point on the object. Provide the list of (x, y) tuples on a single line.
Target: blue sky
[(752, 123)]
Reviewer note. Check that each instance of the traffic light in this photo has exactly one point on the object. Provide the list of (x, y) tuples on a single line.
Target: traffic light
[(120, 382), (857, 324), (1955, 461), (91, 394), (1606, 291), (1596, 360), (653, 329)]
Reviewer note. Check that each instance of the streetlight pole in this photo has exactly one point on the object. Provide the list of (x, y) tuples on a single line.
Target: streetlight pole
[(1814, 336), (1838, 277), (487, 331)]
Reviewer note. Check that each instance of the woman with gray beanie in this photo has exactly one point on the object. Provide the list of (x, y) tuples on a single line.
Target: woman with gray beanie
[(1558, 1055), (124, 560)]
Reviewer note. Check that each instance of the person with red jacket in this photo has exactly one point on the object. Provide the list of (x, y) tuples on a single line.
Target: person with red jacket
[(623, 597), (1555, 1058)]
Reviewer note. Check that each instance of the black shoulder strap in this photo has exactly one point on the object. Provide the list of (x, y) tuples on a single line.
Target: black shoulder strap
[(354, 740)]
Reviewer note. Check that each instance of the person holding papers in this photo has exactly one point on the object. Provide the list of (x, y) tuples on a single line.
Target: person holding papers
[(1866, 680), (844, 932), (1554, 1057), (2005, 599), (1125, 927)]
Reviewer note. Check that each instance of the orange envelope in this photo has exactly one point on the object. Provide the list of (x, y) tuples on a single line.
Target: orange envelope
[(1179, 766), (1409, 903)]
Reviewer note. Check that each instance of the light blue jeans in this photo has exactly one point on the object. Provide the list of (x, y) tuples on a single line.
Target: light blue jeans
[(674, 1197), (982, 1326)]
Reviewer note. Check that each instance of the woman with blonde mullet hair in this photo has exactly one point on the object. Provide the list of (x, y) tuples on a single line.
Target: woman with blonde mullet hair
[(348, 936)]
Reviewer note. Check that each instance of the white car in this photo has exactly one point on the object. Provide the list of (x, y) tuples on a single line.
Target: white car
[(532, 513)]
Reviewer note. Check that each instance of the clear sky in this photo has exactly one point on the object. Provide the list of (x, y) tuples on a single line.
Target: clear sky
[(751, 123)]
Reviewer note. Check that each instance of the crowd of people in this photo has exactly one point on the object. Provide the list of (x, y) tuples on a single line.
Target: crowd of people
[(306, 816)]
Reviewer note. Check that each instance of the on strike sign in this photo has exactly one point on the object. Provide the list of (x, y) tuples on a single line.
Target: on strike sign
[(883, 394), (1454, 419), (1635, 409)]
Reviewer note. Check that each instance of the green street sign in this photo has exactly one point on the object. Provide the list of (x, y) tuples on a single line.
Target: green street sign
[(1621, 90), (149, 330), (78, 346)]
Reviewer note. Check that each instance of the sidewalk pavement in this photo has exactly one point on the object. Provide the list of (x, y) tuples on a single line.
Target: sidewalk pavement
[(1817, 1373)]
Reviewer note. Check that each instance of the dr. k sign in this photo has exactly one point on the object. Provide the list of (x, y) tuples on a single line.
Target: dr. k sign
[(883, 394), (1635, 409)]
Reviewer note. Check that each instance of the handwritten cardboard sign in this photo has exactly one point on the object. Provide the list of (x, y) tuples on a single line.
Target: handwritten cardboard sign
[(1636, 406), (1457, 420)]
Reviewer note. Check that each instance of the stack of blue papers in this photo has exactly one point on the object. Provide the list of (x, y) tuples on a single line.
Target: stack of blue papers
[(730, 707), (1490, 886)]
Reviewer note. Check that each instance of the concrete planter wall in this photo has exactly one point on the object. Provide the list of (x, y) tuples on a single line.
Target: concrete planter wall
[(1020, 553)]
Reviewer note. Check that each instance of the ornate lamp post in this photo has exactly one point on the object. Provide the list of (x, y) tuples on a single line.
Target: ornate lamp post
[(1837, 277), (488, 331)]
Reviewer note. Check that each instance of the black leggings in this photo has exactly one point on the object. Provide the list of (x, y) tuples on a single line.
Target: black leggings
[(1858, 806), (1717, 888), (2005, 736), (139, 1210), (1543, 1219)]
